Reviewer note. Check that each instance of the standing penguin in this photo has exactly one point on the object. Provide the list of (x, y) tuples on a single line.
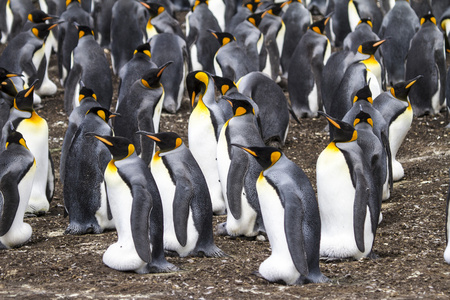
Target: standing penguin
[(201, 44), (136, 208), (85, 199), (398, 113), (291, 217), (17, 170), (188, 228), (102, 16), (160, 21), (238, 172), (92, 68), (349, 210), (230, 61), (205, 123), (35, 130), (141, 109), (272, 104), (170, 47), (134, 70), (426, 56), (338, 27), (305, 71), (399, 25)]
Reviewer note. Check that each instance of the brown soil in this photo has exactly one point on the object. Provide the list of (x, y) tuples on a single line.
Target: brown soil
[(410, 240)]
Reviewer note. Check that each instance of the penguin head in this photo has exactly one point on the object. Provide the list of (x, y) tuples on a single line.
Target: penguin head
[(319, 26), (24, 100), (275, 9), (224, 84), (86, 92), (144, 48), (151, 79), (38, 16), (42, 30), (367, 21), (199, 2), (223, 37), (363, 117), (119, 146), (265, 156), (166, 141), (340, 130), (5, 74), (15, 137), (401, 90), (256, 19), (240, 105), (154, 9), (68, 2), (370, 47), (103, 113), (251, 5), (84, 30), (363, 94), (429, 17), (196, 84)]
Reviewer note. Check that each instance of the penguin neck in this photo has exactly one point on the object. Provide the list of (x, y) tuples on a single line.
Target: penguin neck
[(160, 153), (150, 29)]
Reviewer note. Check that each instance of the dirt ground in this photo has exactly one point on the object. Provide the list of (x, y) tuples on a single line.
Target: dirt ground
[(410, 240)]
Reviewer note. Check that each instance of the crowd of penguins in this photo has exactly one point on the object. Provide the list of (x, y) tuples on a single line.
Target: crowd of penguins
[(119, 172)]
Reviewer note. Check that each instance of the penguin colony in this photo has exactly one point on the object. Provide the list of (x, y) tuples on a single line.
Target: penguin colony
[(119, 172)]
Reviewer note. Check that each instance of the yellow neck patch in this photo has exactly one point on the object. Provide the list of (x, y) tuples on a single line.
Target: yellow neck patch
[(240, 111)]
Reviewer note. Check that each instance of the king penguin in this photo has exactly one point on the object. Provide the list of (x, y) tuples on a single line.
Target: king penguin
[(188, 228), (238, 172), (85, 199), (90, 66), (242, 12), (398, 113), (35, 131), (426, 56), (362, 33), (160, 21), (141, 109), (305, 70), (136, 208), (291, 217), (201, 44), (345, 196), (205, 123), (363, 9), (17, 170)]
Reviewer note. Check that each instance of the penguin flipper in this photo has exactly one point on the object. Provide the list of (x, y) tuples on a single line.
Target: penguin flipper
[(145, 123), (387, 147), (10, 200), (71, 82), (235, 182), (181, 205), (360, 209), (140, 221), (293, 226), (50, 188)]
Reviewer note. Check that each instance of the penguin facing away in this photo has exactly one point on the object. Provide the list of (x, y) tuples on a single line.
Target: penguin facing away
[(345, 196), (17, 170), (136, 208), (188, 228), (291, 217), (85, 199)]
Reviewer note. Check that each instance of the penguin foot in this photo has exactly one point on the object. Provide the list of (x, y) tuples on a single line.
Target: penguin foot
[(373, 255), (29, 215), (171, 253), (212, 251), (162, 267), (3, 247), (78, 229)]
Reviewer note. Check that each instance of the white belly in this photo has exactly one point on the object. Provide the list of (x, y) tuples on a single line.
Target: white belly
[(313, 101), (397, 133), (101, 215), (279, 266)]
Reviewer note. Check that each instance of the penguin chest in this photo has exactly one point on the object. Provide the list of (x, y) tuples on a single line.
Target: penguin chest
[(223, 158), (217, 67), (38, 56), (202, 135), (35, 132), (279, 266), (399, 128), (157, 112), (280, 37)]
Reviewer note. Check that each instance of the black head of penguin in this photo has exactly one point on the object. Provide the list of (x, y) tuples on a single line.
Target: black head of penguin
[(38, 16), (86, 92), (429, 17), (196, 83), (251, 5), (240, 106), (166, 141), (223, 37), (84, 30), (363, 94), (370, 47), (223, 84), (151, 79), (120, 147), (68, 2), (102, 113), (199, 2), (144, 49), (363, 117), (256, 18), (15, 137), (368, 21), (5, 74), (401, 90), (319, 26), (42, 30), (24, 100), (265, 156), (153, 9), (340, 130), (275, 9)]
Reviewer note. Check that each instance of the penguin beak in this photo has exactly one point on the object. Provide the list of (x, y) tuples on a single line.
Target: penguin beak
[(231, 103), (193, 99), (145, 4), (149, 135), (379, 43), (13, 75), (101, 139), (113, 115), (413, 81), (162, 68), (29, 91), (245, 149), (333, 122)]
